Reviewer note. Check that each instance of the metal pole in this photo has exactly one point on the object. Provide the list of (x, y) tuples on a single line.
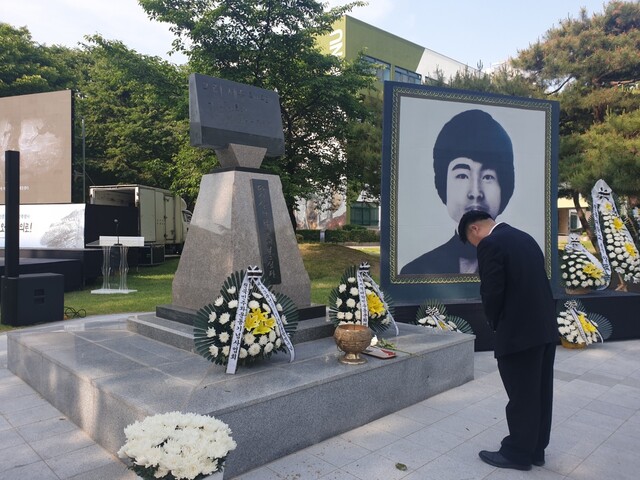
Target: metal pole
[(84, 172)]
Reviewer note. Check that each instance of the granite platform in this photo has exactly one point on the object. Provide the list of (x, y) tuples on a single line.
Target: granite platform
[(104, 376)]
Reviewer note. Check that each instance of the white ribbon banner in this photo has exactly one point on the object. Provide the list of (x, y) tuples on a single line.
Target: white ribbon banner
[(362, 276)]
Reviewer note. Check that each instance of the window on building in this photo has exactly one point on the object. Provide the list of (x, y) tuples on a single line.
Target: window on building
[(363, 213), (407, 76), (381, 69), (574, 221)]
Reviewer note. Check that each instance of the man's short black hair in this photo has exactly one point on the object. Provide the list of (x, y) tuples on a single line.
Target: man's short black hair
[(474, 134), (469, 218)]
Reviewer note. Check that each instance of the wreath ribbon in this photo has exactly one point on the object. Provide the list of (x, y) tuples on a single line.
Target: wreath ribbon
[(253, 277), (601, 196), (363, 275), (572, 307), (438, 318)]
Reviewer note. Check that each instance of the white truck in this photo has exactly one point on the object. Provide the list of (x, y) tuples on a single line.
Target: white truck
[(163, 218)]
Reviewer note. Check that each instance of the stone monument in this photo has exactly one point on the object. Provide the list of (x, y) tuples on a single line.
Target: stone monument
[(240, 217)]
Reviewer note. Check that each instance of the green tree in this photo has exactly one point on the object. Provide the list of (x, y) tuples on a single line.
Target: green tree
[(363, 150), (28, 67), (271, 44), (591, 65), (134, 108)]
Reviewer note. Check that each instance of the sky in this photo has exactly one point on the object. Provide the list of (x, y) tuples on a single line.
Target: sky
[(469, 31)]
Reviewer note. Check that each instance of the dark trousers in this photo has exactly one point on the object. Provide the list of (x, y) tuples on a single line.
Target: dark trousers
[(527, 377)]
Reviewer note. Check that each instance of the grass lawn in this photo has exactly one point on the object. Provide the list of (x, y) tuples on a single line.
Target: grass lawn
[(324, 262)]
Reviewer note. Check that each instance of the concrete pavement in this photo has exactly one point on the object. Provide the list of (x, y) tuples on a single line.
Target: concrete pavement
[(596, 430)]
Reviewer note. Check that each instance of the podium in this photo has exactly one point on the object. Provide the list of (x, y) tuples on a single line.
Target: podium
[(114, 262)]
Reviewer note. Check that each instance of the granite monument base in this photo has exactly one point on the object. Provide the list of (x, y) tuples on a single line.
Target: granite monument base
[(104, 377), (240, 220)]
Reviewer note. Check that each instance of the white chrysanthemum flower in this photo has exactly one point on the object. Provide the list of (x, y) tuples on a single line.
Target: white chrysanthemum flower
[(348, 316), (338, 302), (218, 301), (254, 350), (266, 308), (268, 347), (212, 317), (224, 318), (253, 304), (279, 307), (243, 353), (272, 336), (283, 318), (278, 343), (211, 332), (357, 314), (257, 295), (342, 288), (340, 315), (249, 338), (351, 303), (351, 279), (233, 304), (213, 350), (263, 340), (231, 290), (353, 291), (225, 350), (224, 337)]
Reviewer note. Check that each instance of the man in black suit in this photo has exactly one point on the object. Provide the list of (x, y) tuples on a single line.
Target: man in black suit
[(520, 309)]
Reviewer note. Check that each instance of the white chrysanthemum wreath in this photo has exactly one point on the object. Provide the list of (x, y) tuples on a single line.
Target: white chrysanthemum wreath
[(433, 314), (345, 305), (175, 445), (580, 269), (269, 319), (614, 240), (578, 328)]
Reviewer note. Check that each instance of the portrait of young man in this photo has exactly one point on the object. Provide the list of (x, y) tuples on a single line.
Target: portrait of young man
[(473, 168), (453, 157)]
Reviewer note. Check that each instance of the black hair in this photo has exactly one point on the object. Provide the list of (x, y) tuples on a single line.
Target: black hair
[(474, 134), (469, 218)]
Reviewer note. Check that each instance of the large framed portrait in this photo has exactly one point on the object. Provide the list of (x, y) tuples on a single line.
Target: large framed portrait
[(447, 151)]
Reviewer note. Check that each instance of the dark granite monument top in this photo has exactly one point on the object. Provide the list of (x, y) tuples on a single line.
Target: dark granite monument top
[(222, 112)]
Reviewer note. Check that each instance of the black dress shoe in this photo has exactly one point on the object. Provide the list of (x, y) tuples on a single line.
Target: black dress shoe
[(498, 460), (538, 463)]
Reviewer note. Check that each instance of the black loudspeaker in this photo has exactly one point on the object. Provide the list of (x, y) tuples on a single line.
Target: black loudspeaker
[(32, 298)]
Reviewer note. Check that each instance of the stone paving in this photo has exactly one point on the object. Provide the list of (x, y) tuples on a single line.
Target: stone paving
[(596, 431)]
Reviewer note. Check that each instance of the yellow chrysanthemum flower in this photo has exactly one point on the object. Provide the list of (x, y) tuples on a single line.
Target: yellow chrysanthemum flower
[(618, 223), (258, 322), (587, 326), (592, 271), (631, 249), (374, 304)]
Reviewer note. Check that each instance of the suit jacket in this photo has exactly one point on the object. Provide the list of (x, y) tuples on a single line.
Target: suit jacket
[(443, 259), (515, 290)]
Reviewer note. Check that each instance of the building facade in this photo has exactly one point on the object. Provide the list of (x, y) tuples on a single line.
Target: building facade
[(391, 58)]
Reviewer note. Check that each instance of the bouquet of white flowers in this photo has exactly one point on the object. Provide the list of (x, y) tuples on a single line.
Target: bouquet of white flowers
[(175, 445)]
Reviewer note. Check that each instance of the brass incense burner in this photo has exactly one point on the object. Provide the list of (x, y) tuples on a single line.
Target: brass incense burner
[(352, 340)]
